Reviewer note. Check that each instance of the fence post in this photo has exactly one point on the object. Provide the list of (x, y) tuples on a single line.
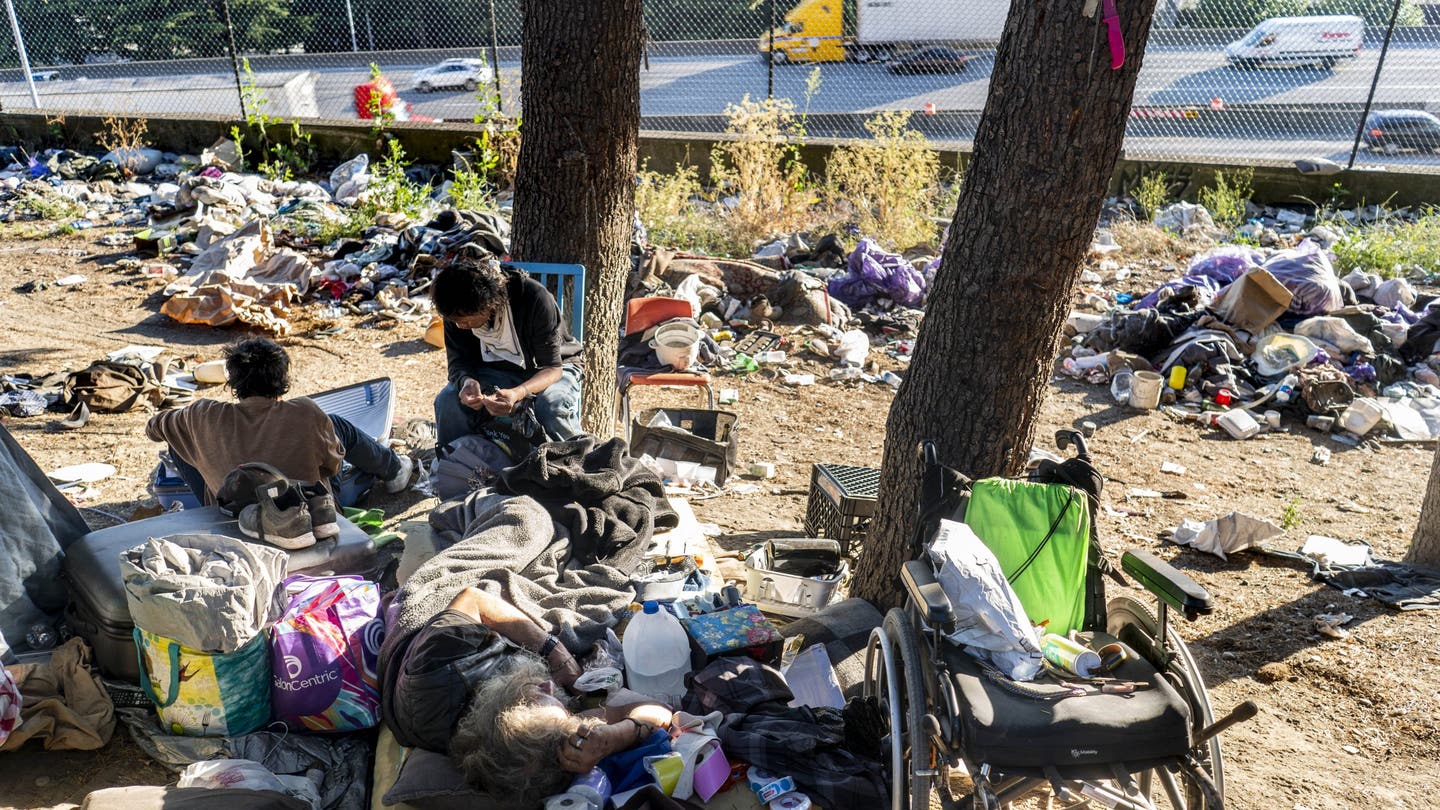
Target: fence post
[(234, 58), (1374, 82), (20, 49), (770, 57), (495, 60)]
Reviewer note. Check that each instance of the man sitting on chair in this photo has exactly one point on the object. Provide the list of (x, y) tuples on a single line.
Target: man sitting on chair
[(504, 343)]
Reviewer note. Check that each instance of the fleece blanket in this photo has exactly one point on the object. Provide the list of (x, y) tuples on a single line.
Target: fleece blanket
[(508, 546)]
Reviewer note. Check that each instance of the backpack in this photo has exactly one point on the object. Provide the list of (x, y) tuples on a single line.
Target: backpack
[(107, 386)]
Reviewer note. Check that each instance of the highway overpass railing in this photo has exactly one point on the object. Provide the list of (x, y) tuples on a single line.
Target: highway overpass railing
[(1350, 81)]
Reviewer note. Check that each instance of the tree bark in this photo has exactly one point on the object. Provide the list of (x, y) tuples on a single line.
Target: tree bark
[(575, 181), (1425, 543), (1044, 151)]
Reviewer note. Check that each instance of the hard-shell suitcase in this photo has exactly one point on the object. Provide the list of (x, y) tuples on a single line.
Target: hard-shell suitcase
[(98, 612)]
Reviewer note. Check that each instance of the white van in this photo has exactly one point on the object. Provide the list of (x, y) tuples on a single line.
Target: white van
[(1298, 40)]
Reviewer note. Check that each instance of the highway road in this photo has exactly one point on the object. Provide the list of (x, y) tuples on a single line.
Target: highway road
[(686, 92)]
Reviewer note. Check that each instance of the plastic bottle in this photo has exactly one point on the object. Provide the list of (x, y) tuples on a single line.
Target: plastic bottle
[(1177, 377), (657, 654), (1286, 391)]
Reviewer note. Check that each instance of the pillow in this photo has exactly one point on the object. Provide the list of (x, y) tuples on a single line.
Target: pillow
[(430, 781)]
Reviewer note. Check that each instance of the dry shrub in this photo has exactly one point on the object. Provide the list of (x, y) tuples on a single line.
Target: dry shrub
[(762, 170), (891, 183)]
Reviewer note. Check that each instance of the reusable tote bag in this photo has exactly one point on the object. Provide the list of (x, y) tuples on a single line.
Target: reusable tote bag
[(203, 694), (324, 654)]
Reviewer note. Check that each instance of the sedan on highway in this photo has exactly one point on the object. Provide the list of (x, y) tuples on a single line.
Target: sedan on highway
[(452, 73), (930, 60), (1393, 130)]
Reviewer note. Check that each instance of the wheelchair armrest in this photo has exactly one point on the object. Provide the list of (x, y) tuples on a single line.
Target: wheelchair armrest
[(1160, 578), (922, 587)]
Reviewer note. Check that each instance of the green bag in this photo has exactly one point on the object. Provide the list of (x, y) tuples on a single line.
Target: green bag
[(1040, 533), (203, 694)]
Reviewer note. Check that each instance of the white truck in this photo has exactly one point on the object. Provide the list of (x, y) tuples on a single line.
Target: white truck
[(1283, 41), (815, 31)]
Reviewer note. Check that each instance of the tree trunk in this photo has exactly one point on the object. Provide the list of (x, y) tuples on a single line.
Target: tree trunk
[(1044, 152), (1425, 544), (575, 182)]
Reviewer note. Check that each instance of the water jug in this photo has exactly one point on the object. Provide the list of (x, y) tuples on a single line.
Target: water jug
[(657, 654)]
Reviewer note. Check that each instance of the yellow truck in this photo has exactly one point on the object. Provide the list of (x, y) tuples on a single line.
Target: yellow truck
[(814, 31)]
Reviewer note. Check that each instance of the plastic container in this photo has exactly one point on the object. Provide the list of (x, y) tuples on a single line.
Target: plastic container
[(1177, 377), (211, 372), (1239, 424), (657, 655), (1362, 416), (1145, 390), (677, 344), (1071, 656)]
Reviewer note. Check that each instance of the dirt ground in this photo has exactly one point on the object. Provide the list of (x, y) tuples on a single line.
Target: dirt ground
[(1344, 723)]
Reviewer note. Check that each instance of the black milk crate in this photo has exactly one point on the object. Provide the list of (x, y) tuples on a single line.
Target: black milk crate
[(842, 501)]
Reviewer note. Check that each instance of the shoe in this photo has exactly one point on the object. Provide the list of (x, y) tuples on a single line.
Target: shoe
[(322, 510), (402, 479), (279, 517)]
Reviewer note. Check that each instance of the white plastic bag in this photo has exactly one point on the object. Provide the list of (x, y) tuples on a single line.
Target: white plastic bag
[(247, 774), (990, 621)]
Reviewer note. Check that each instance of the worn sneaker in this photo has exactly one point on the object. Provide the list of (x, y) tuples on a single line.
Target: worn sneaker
[(322, 510), (402, 479), (279, 517)]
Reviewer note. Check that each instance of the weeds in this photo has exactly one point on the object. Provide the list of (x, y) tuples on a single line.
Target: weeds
[(1153, 193), (1226, 199), (51, 207), (1392, 249), (391, 191), (124, 137), (279, 160), (891, 182), (1292, 515), (471, 191), (762, 171), (674, 210)]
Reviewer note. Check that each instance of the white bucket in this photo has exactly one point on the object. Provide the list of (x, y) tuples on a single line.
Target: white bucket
[(677, 344), (1362, 416), (1145, 390)]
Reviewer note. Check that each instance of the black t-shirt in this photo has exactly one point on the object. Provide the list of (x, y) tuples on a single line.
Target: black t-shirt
[(427, 684), (544, 339)]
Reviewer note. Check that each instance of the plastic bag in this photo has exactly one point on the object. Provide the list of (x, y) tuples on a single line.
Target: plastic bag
[(991, 619), (246, 774), (1224, 264), (873, 273), (1279, 352), (1307, 274), (1335, 332)]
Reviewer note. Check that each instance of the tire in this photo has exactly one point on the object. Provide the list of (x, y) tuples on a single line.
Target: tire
[(424, 87), (470, 85), (779, 57), (1200, 782), (917, 740)]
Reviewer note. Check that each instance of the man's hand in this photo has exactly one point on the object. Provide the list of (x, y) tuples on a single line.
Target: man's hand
[(597, 743), (470, 395), (503, 402)]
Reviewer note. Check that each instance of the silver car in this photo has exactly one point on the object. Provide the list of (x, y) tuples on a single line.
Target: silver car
[(466, 74)]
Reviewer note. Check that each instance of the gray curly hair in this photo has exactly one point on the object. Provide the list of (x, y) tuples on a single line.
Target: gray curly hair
[(505, 744)]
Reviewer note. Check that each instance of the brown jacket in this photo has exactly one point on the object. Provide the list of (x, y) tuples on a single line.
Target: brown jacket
[(215, 437)]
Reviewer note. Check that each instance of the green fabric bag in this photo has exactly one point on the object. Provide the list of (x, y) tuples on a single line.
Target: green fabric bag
[(1040, 533)]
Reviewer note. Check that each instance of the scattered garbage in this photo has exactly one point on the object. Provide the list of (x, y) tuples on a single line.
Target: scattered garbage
[(1226, 535), (1331, 624)]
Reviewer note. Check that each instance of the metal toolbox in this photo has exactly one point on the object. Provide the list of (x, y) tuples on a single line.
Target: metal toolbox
[(795, 577)]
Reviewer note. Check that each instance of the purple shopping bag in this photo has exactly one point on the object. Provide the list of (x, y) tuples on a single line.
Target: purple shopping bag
[(324, 653)]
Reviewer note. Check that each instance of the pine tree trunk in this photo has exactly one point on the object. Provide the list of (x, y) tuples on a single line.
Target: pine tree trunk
[(1425, 544), (1044, 151), (575, 182)]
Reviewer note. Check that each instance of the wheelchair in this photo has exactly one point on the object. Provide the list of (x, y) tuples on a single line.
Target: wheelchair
[(1149, 737)]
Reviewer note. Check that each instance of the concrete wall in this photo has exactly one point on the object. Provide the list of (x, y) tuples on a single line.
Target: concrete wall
[(433, 143)]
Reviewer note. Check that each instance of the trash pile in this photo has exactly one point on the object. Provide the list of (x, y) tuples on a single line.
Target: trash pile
[(1247, 338), (240, 248)]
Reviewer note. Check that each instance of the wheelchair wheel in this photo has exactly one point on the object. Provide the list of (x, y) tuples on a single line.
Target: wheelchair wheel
[(1199, 781), (891, 658), (916, 740)]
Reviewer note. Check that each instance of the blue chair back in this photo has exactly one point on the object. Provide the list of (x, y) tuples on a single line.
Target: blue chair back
[(567, 283)]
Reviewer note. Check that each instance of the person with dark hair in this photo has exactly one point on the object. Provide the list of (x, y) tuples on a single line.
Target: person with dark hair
[(209, 438), (504, 344)]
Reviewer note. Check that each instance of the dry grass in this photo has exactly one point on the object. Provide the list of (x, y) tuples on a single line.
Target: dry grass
[(891, 183)]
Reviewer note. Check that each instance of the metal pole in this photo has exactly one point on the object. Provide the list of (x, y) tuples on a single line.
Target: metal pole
[(770, 57), (1374, 82), (495, 60), (350, 15), (20, 49), (234, 57), (369, 32)]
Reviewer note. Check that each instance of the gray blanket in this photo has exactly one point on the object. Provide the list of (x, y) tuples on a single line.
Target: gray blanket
[(508, 546)]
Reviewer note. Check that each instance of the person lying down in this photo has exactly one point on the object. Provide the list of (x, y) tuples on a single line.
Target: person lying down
[(488, 685)]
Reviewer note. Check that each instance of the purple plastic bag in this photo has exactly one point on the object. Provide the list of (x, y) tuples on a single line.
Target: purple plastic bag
[(324, 655), (873, 273), (1206, 288), (1225, 263), (1307, 274)]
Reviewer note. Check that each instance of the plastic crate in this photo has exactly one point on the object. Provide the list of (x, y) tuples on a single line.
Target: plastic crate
[(698, 435), (171, 489), (841, 504)]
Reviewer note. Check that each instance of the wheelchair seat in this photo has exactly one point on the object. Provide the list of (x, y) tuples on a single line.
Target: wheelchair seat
[(1014, 732)]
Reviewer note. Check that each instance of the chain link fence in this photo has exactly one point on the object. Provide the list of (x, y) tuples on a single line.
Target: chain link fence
[(1253, 81)]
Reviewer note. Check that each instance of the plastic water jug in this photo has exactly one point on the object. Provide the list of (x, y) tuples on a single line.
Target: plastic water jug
[(1362, 415), (657, 654)]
